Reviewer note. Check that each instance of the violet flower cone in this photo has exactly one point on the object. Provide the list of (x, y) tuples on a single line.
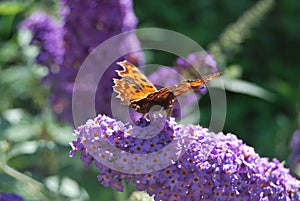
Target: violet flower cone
[(84, 26), (201, 165), (294, 159), (47, 34), (10, 197)]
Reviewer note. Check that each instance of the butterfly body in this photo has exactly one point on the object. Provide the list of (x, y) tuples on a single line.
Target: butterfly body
[(164, 98), (135, 90)]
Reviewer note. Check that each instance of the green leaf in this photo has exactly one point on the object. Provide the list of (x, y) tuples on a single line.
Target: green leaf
[(14, 116), (28, 148), (8, 51), (60, 134), (67, 187), (234, 71), (24, 37), (22, 132), (11, 8), (244, 87)]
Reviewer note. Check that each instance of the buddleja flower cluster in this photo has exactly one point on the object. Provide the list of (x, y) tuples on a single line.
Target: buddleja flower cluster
[(180, 162), (65, 44), (294, 159), (10, 197), (48, 35)]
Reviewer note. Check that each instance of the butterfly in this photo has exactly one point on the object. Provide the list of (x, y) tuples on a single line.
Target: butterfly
[(136, 91)]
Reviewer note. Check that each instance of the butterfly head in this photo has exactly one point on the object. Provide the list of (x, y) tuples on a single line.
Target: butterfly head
[(135, 106)]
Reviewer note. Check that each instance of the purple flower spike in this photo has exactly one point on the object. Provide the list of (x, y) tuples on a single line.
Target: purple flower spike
[(10, 197), (181, 162), (47, 33), (201, 63), (64, 46), (294, 159)]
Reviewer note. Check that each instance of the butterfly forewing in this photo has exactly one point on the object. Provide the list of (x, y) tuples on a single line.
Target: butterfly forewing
[(185, 86), (133, 85)]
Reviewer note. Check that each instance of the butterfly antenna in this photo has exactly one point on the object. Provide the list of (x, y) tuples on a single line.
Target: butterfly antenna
[(169, 111)]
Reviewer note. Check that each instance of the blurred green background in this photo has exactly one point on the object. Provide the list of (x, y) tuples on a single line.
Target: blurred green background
[(259, 52)]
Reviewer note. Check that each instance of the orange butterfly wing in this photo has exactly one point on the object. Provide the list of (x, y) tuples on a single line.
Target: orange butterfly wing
[(185, 86), (133, 85)]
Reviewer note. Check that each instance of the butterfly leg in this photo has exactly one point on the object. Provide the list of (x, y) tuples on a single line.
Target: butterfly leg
[(169, 110), (146, 115)]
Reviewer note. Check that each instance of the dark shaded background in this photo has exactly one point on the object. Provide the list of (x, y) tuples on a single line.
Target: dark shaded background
[(269, 58)]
